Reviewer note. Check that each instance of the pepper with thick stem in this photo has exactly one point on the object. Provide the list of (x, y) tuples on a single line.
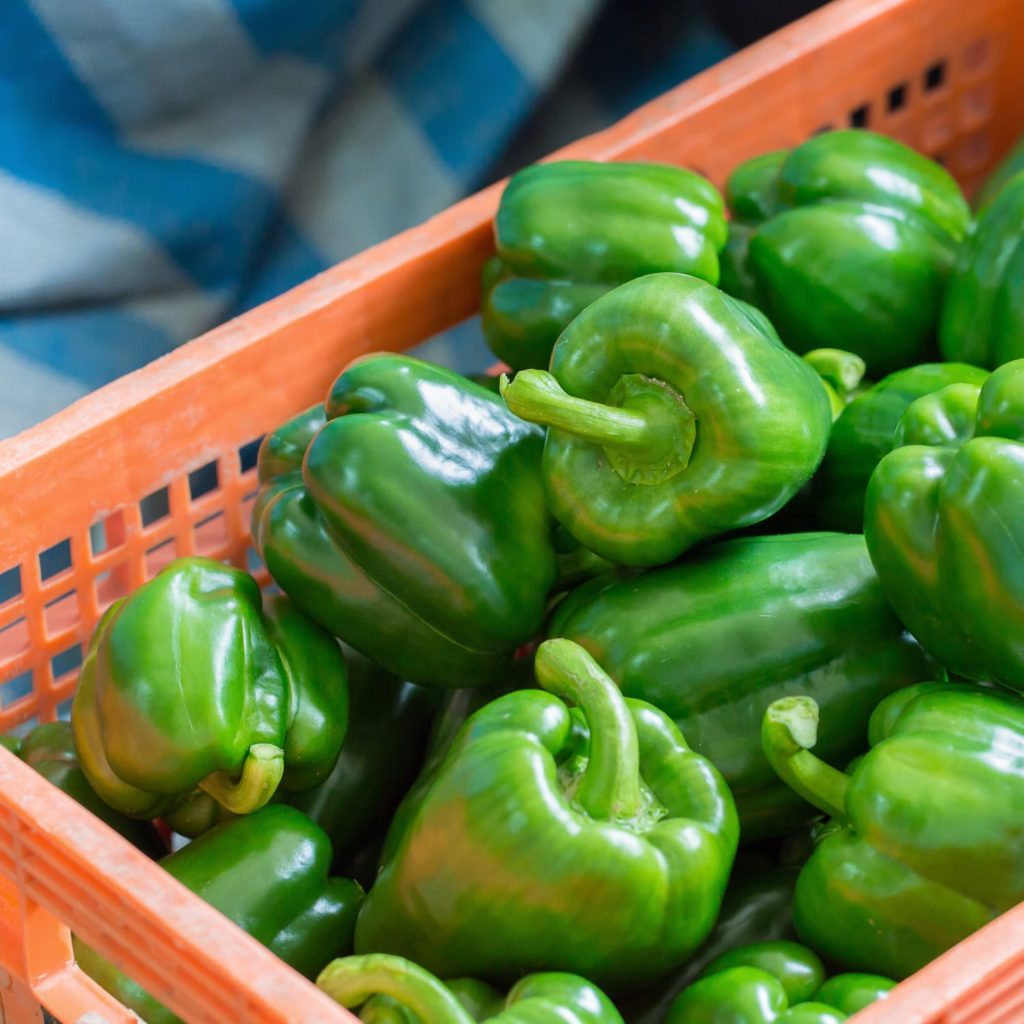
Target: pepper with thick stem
[(674, 414), (530, 815)]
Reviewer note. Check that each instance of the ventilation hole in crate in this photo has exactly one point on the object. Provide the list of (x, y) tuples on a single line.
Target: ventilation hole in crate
[(109, 586), (55, 560), (14, 640), (160, 555), (978, 55), (24, 728), (10, 584), (935, 76), (203, 480), (61, 614), (936, 134), (16, 689), (211, 534), (248, 454), (155, 506), (66, 661), (860, 116), (976, 104), (253, 562), (896, 98), (109, 533), (64, 710)]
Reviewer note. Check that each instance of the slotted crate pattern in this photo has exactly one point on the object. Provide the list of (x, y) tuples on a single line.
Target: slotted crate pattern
[(161, 463)]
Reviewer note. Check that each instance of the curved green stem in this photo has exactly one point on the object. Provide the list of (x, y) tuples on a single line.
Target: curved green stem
[(261, 774), (575, 567), (789, 730), (353, 980), (647, 429), (843, 370), (610, 788)]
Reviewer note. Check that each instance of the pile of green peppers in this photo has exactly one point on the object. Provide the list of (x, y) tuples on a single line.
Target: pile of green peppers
[(642, 683)]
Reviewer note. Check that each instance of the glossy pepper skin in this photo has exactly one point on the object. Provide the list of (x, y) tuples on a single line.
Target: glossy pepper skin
[(673, 415), (193, 682), (983, 310), (567, 232), (863, 435), (50, 750), (944, 525), (927, 849), (417, 997), (411, 521), (758, 907), (496, 872), (389, 722), (267, 872), (774, 983), (714, 640), (852, 246)]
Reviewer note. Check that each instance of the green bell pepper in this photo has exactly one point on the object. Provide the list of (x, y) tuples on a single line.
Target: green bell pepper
[(417, 997), (863, 435), (774, 983), (523, 824), (50, 750), (853, 243), (714, 640), (193, 682), (757, 908), (408, 518), (567, 232), (389, 722), (267, 872), (674, 414), (944, 526), (983, 311), (928, 846)]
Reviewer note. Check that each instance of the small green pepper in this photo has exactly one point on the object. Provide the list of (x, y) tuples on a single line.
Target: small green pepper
[(193, 682), (415, 996), (568, 231)]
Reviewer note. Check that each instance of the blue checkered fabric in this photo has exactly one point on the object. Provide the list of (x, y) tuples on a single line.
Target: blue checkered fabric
[(166, 165)]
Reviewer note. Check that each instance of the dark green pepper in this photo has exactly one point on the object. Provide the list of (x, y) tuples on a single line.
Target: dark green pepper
[(415, 996), (194, 682), (944, 525), (928, 846), (852, 246), (50, 750), (983, 312), (388, 725), (774, 983), (566, 232), (863, 435), (411, 522), (758, 907), (267, 872), (498, 869), (714, 640), (674, 414)]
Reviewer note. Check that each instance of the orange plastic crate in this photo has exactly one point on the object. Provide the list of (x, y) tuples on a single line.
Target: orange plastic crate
[(946, 76)]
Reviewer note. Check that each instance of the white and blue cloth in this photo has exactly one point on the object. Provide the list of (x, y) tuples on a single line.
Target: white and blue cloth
[(166, 164)]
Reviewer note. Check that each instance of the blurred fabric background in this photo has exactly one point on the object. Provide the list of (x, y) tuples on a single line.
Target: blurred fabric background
[(165, 166)]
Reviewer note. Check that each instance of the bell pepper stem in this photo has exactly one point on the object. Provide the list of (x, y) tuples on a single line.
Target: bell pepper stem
[(647, 429), (610, 787), (843, 370), (789, 730), (577, 566), (261, 774), (353, 980)]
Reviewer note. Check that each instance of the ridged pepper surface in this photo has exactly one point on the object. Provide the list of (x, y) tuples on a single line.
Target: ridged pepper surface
[(673, 414), (944, 522), (408, 518), (388, 989), (566, 232), (926, 848), (714, 640), (198, 696), (496, 873)]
